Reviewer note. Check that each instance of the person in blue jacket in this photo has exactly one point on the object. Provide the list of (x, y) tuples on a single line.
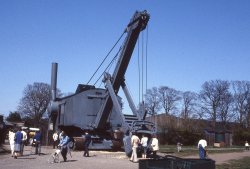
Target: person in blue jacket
[(37, 139), (18, 142), (63, 144)]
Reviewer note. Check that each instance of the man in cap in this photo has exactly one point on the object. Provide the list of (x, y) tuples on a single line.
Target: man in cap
[(87, 141)]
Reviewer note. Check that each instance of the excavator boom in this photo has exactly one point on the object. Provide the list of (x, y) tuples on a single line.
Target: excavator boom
[(137, 24)]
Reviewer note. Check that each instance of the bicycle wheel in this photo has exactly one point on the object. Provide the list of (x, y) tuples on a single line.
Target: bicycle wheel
[(51, 158), (32, 150), (56, 158)]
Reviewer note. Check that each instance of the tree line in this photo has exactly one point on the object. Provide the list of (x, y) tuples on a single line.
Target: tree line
[(218, 101)]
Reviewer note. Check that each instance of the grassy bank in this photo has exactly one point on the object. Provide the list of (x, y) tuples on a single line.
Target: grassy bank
[(243, 163), (192, 150)]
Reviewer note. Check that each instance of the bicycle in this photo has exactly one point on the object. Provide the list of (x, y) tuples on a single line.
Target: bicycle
[(54, 157)]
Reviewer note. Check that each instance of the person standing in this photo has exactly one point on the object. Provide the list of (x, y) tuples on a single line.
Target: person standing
[(246, 146), (60, 136), (144, 143), (28, 137), (18, 142), (38, 141), (12, 141), (70, 145), (23, 140), (87, 141), (55, 139), (179, 147), (202, 144), (134, 143), (63, 144), (155, 146)]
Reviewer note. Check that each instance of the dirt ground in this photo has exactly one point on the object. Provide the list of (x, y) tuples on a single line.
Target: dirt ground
[(98, 160)]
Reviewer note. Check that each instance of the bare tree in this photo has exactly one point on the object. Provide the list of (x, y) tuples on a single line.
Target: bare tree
[(225, 113), (241, 100), (201, 112), (211, 95), (188, 106), (34, 102), (152, 101), (248, 112), (169, 98)]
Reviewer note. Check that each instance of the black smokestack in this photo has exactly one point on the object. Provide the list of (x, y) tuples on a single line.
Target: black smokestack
[(53, 80)]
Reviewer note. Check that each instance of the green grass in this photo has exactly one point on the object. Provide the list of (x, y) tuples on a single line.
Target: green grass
[(192, 150), (243, 163)]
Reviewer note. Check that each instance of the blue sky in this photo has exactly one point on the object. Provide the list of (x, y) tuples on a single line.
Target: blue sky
[(189, 42)]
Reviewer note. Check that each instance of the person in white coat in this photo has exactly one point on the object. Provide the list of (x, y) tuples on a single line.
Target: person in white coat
[(134, 143), (12, 141), (202, 144), (24, 140), (247, 146), (55, 139), (155, 146)]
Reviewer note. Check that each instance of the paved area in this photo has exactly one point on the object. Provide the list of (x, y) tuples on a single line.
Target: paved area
[(97, 160)]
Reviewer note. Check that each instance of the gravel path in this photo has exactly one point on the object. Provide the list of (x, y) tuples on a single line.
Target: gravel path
[(97, 160)]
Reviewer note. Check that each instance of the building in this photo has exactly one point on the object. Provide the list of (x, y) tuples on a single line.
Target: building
[(219, 137), (216, 135)]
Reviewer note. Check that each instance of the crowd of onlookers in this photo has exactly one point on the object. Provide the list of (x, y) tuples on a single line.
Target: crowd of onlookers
[(18, 138), (21, 137), (145, 146)]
